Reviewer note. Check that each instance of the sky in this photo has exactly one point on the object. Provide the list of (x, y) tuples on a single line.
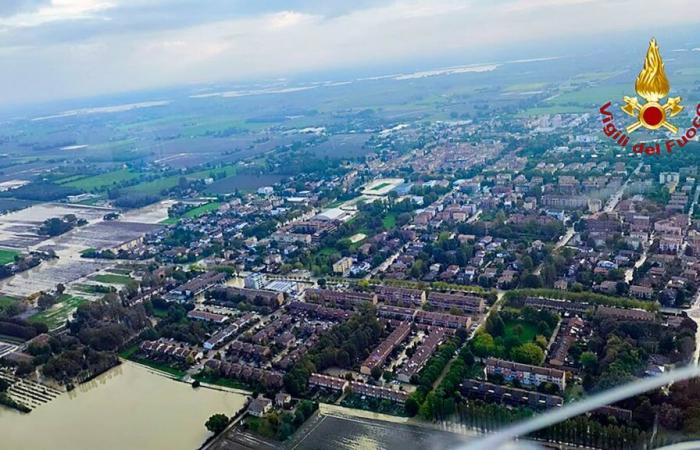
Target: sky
[(62, 49)]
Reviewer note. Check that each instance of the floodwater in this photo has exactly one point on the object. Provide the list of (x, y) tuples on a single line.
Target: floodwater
[(350, 433), (129, 407)]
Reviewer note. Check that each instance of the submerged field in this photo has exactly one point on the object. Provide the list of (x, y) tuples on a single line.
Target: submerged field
[(57, 315)]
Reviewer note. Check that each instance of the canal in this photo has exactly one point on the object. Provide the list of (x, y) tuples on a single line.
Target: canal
[(128, 407)]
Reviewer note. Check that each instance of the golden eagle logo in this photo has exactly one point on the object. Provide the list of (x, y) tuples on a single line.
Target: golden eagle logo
[(652, 85)]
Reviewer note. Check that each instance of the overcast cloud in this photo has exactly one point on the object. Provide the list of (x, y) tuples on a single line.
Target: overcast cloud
[(52, 49)]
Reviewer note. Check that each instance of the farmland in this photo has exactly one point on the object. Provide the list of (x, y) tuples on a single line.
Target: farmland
[(57, 315), (7, 256), (102, 181), (194, 212), (242, 182), (6, 300), (112, 279)]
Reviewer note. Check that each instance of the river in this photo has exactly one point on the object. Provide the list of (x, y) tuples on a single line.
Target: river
[(128, 407)]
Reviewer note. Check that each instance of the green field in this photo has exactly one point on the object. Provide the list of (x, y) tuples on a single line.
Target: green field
[(57, 315), (7, 256), (584, 100), (154, 187), (112, 279), (6, 300), (389, 221), (380, 186), (102, 181), (194, 213), (529, 331)]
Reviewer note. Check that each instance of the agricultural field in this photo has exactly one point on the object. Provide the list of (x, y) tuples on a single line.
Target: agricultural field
[(155, 187), (243, 182), (57, 315), (7, 256), (102, 181), (6, 300), (194, 213), (112, 279)]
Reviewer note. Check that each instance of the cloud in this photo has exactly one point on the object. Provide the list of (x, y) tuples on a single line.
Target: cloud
[(55, 11), (66, 48), (12, 7)]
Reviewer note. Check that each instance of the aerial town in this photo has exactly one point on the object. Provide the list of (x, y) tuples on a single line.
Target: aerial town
[(454, 280), (412, 260)]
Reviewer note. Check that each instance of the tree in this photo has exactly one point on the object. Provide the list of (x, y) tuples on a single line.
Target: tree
[(45, 301), (376, 372), (529, 353), (588, 361), (495, 325), (217, 423), (411, 406), (483, 345)]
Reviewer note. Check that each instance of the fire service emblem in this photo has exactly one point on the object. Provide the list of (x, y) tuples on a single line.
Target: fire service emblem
[(653, 114)]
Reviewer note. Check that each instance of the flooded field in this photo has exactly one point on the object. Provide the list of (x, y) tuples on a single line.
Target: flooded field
[(339, 432), (129, 407), (153, 214), (19, 229)]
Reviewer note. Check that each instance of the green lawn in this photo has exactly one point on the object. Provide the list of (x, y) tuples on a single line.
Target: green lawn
[(112, 279), (156, 186), (103, 181), (6, 300), (159, 366), (389, 221), (7, 256), (380, 186), (529, 330), (57, 315)]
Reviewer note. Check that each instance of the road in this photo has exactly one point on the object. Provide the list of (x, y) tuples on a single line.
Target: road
[(566, 237), (609, 207), (615, 199), (629, 273)]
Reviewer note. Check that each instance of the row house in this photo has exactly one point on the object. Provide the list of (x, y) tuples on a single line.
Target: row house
[(566, 337), (381, 392), (526, 374), (467, 303), (170, 349), (442, 320), (318, 311), (421, 355), (400, 296), (247, 350), (395, 312), (340, 385), (268, 378), (342, 299), (625, 314), (221, 337), (483, 390), (196, 286), (551, 304), (378, 357), (260, 297), (206, 316)]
